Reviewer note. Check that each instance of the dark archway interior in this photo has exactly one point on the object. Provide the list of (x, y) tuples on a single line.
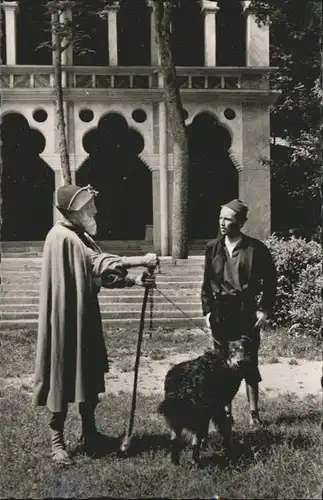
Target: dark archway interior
[(213, 178), (188, 34), (230, 34), (123, 180), (134, 33), (32, 30), (27, 182)]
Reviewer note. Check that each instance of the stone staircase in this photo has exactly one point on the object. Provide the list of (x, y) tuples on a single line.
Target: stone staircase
[(179, 281)]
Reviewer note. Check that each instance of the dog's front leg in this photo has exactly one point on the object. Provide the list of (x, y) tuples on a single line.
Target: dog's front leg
[(225, 429), (175, 445)]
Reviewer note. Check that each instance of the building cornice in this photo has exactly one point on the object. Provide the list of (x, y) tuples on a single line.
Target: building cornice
[(144, 95)]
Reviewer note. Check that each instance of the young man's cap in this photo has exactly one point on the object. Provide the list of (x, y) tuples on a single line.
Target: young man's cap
[(71, 198), (239, 207)]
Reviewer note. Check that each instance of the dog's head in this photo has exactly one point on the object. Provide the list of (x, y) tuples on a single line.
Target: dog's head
[(237, 359), (236, 354)]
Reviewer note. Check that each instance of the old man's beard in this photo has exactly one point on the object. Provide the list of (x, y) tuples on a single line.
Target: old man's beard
[(89, 225)]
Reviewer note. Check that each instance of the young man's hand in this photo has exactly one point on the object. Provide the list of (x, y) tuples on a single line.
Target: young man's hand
[(261, 318), (207, 320)]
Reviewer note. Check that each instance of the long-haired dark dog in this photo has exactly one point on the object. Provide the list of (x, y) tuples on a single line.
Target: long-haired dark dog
[(197, 391)]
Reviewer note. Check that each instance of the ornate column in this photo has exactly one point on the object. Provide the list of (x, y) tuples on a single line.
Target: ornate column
[(10, 9), (209, 10), (257, 39), (154, 51), (112, 11)]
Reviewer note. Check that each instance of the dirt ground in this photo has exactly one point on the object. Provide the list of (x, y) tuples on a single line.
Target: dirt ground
[(301, 379), (282, 377)]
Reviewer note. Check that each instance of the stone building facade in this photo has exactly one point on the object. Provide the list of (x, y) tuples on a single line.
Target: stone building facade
[(117, 123)]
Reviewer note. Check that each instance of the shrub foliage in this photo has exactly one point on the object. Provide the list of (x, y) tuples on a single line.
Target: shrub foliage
[(300, 280)]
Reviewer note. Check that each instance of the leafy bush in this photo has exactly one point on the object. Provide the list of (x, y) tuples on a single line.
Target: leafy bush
[(299, 269)]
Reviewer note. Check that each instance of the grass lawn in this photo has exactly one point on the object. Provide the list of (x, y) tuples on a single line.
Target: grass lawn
[(282, 461)]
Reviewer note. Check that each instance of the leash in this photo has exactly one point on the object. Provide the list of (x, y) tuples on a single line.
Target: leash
[(151, 302)]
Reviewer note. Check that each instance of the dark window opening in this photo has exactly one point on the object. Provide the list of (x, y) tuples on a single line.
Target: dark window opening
[(134, 33), (230, 34), (33, 29), (188, 34)]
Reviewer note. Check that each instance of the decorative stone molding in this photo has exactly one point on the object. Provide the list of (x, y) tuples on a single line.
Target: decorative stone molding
[(245, 4), (208, 6), (236, 158), (153, 160)]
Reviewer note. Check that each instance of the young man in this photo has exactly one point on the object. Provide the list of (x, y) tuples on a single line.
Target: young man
[(238, 292), (71, 357)]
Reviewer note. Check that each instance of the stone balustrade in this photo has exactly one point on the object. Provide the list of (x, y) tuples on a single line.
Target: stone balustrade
[(91, 77)]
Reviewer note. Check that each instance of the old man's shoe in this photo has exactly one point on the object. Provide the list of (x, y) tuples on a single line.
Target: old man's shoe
[(59, 453), (61, 457)]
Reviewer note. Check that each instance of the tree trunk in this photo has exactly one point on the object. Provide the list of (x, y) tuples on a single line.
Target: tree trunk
[(63, 148), (1, 162), (175, 112)]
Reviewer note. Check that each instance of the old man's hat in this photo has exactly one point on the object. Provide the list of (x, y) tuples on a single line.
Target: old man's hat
[(71, 198), (239, 207)]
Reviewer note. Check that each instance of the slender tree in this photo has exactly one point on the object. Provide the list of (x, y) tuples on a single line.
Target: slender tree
[(163, 18), (61, 36), (66, 33)]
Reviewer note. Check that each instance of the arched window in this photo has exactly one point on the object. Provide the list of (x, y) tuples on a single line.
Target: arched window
[(230, 34)]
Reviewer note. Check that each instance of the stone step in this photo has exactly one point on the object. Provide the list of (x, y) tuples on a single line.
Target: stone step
[(170, 322), (107, 306), (25, 300), (181, 294), (112, 314), (24, 278), (32, 286), (15, 267)]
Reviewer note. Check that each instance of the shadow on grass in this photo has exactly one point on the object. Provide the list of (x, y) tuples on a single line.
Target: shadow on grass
[(248, 447)]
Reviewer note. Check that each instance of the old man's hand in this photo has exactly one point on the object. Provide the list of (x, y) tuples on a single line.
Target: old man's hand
[(147, 280), (150, 260)]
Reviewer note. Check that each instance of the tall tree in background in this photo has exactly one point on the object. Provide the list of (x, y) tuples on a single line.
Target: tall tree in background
[(1, 165), (295, 31), (66, 33), (61, 40), (163, 17)]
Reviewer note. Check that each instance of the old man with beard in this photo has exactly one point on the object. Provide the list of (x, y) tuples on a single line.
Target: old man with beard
[(71, 357)]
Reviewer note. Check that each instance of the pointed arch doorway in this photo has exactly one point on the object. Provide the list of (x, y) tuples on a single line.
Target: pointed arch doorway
[(28, 183), (213, 178), (123, 180)]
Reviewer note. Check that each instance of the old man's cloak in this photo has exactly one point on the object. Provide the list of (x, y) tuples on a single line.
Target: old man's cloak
[(71, 357)]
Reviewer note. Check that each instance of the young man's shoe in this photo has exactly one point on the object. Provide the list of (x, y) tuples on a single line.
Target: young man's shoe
[(254, 420)]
